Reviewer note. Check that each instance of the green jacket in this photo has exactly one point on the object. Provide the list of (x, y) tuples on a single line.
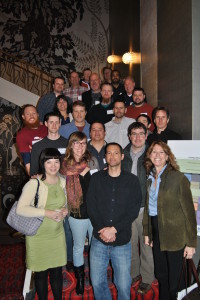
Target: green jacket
[(176, 215)]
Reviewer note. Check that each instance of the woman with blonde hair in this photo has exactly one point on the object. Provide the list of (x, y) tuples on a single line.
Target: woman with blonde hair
[(169, 218), (78, 166)]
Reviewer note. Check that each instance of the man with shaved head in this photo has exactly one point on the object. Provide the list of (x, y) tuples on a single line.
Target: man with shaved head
[(93, 96)]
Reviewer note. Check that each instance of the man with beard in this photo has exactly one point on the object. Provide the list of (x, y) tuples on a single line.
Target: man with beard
[(31, 133), (116, 129), (93, 96), (102, 112), (118, 87), (139, 106)]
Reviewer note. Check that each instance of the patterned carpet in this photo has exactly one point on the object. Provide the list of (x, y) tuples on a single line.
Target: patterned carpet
[(12, 272)]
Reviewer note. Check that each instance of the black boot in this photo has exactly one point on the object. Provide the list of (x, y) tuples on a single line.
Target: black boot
[(79, 273)]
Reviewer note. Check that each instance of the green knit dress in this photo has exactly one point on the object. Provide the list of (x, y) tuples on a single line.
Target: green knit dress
[(47, 249)]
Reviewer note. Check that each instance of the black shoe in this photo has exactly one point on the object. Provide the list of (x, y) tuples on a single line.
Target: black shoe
[(144, 288), (70, 267), (79, 273)]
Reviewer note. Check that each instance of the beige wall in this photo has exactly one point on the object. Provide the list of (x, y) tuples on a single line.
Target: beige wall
[(16, 94)]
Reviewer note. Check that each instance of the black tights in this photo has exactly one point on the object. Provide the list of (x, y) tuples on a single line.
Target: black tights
[(56, 281)]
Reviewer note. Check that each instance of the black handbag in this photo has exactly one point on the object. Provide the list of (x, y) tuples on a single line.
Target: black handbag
[(193, 294), (25, 225)]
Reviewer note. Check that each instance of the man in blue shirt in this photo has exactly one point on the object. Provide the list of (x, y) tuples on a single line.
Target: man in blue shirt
[(79, 123)]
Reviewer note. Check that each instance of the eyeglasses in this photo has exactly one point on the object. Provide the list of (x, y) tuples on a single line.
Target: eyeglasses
[(77, 143), (141, 134)]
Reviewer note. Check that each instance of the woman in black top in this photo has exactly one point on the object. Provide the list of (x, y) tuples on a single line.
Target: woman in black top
[(77, 167)]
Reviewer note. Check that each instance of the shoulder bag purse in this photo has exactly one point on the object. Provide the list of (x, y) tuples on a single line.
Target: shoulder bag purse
[(25, 225)]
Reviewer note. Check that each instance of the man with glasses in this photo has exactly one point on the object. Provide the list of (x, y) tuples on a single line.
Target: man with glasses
[(102, 112), (142, 266), (78, 123)]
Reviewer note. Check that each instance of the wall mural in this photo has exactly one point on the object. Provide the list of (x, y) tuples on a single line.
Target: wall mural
[(12, 173), (56, 36)]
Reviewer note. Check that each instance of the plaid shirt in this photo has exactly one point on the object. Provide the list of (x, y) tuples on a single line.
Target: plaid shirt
[(75, 93)]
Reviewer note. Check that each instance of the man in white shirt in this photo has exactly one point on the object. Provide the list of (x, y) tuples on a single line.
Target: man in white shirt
[(116, 129)]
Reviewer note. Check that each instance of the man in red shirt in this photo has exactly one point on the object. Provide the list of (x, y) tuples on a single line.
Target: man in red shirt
[(31, 133), (139, 106)]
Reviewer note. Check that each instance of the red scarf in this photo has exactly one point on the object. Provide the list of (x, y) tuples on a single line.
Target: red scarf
[(73, 186)]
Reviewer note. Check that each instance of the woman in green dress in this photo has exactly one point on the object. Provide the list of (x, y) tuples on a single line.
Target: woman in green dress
[(46, 251)]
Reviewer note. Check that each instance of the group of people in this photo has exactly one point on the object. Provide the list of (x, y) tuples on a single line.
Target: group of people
[(105, 175)]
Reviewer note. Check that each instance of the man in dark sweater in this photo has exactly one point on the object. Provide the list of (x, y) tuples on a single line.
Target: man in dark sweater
[(52, 140), (161, 117), (93, 96), (142, 258), (113, 202)]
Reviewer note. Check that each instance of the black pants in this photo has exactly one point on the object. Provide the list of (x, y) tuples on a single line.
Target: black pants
[(56, 281), (168, 266)]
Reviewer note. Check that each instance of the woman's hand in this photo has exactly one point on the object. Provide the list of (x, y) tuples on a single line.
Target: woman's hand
[(87, 169), (189, 252), (55, 215), (64, 211), (146, 241)]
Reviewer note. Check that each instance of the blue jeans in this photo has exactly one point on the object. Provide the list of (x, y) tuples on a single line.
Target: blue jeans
[(120, 256), (69, 240), (79, 228)]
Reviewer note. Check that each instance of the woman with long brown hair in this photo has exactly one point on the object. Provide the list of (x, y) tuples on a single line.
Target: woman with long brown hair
[(78, 166), (169, 218)]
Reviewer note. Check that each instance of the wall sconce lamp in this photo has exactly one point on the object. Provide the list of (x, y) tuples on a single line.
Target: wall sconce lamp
[(131, 58), (113, 59)]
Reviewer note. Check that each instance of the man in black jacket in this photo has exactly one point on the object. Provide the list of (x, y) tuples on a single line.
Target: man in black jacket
[(113, 202), (142, 259), (93, 96), (161, 117)]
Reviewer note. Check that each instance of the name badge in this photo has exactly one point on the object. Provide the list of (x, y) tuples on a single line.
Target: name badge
[(62, 150), (97, 102), (104, 160), (93, 171), (110, 112), (80, 98), (36, 139)]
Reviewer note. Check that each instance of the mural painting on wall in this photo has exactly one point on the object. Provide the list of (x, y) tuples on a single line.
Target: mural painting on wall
[(56, 36), (12, 173)]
